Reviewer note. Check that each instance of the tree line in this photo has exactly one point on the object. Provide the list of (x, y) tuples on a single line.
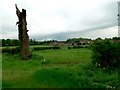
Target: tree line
[(15, 42)]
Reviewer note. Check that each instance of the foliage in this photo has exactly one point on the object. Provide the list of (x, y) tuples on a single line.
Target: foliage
[(106, 53), (0, 42), (116, 38), (15, 42), (69, 47), (46, 48), (11, 50), (75, 47), (10, 42), (56, 47), (78, 46)]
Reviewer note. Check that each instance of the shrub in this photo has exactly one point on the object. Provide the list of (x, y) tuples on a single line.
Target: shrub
[(4, 50), (69, 47), (55, 47), (46, 48), (11, 50), (76, 47), (105, 53), (87, 46)]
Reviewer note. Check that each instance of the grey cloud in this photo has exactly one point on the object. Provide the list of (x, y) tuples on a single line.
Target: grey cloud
[(6, 29), (109, 12), (87, 22), (88, 33)]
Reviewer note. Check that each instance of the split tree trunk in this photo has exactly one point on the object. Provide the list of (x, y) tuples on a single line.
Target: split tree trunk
[(23, 35)]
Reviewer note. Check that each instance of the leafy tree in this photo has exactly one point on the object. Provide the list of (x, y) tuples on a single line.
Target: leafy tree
[(10, 42), (15, 42), (3, 42), (0, 42), (106, 53), (116, 38)]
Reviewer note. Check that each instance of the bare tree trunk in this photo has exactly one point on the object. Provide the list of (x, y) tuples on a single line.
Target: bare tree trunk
[(23, 35)]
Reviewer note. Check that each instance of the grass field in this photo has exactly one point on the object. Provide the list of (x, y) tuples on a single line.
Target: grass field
[(61, 68), (0, 70)]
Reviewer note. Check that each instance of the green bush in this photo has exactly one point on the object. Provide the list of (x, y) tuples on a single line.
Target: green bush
[(69, 47), (11, 50), (106, 53), (75, 47), (78, 46), (46, 48), (55, 47)]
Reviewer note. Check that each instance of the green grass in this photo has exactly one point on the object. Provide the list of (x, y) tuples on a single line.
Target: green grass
[(62, 68), (0, 70), (66, 56)]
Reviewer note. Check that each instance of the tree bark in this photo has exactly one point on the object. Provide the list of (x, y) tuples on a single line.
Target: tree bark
[(23, 35)]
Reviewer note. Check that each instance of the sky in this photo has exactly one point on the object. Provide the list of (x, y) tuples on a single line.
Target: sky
[(61, 19)]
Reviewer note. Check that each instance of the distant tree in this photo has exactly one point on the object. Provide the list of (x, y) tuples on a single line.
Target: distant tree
[(15, 42), (0, 42), (8, 42), (107, 38), (3, 42), (98, 39), (116, 38)]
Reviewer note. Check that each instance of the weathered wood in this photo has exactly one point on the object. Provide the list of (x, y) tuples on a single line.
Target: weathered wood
[(23, 35)]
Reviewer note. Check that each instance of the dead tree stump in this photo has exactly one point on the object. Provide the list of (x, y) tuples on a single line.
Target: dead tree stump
[(23, 35)]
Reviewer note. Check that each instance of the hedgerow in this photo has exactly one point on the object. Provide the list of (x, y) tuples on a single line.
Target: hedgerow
[(46, 48), (106, 54)]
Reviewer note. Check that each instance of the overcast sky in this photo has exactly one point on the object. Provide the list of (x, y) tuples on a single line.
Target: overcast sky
[(61, 19)]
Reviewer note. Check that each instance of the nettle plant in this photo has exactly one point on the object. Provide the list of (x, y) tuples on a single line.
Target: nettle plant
[(106, 53)]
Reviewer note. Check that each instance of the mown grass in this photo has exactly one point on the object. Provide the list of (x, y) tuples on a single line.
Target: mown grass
[(56, 69)]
